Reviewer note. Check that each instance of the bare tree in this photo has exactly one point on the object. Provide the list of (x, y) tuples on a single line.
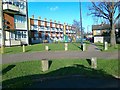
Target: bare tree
[(108, 11), (77, 26)]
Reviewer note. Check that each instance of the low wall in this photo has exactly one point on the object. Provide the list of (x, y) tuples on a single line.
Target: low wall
[(12, 42), (98, 39), (101, 39)]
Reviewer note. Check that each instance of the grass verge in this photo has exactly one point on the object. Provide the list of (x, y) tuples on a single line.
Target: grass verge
[(110, 48), (41, 47)]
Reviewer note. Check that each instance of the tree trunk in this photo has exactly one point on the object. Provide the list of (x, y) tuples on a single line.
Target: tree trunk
[(113, 37)]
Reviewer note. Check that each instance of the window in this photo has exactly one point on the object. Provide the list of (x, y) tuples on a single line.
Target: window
[(42, 23), (48, 24), (61, 29), (57, 29), (16, 3), (36, 34), (19, 19), (42, 28), (98, 32), (35, 27), (12, 35), (24, 34), (21, 5), (19, 34), (0, 35), (36, 22), (32, 27), (48, 28), (53, 28)]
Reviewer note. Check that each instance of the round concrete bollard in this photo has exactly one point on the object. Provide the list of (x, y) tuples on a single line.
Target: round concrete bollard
[(66, 46), (94, 62), (105, 46), (84, 47), (44, 64), (46, 48), (23, 48)]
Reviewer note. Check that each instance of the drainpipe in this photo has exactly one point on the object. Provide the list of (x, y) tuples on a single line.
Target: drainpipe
[(27, 21), (64, 32)]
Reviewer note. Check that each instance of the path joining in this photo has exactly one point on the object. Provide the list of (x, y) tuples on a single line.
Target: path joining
[(93, 48)]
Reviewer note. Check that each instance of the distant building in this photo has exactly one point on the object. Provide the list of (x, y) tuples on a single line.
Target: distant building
[(88, 35), (49, 31), (102, 32), (15, 22)]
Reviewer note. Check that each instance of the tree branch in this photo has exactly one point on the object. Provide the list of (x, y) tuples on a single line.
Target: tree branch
[(117, 18), (98, 15), (99, 10)]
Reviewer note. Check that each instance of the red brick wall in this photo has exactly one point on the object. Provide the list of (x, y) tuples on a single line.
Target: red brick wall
[(50, 24), (39, 22), (10, 20), (31, 21)]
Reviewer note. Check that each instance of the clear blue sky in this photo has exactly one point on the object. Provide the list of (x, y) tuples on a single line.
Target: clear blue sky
[(61, 11)]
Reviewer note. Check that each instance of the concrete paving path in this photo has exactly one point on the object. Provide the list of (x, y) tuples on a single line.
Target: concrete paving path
[(93, 48), (91, 52)]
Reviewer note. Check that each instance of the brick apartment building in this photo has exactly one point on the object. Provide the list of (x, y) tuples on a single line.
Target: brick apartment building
[(18, 29), (15, 22), (49, 31)]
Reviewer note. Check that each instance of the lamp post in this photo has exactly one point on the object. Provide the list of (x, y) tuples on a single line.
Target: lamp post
[(81, 24)]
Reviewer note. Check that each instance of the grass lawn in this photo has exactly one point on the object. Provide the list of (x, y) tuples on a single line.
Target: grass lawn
[(101, 47), (41, 47), (24, 73)]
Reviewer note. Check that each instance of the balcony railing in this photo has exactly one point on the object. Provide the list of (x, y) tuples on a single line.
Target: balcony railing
[(61, 26), (53, 25), (10, 7), (42, 24), (48, 24), (53, 35), (61, 35), (57, 26)]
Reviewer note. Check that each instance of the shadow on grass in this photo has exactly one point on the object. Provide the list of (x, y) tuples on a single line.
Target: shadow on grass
[(77, 46), (28, 50), (8, 51), (28, 81), (8, 68), (89, 61), (50, 62), (100, 45), (99, 49), (49, 49)]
